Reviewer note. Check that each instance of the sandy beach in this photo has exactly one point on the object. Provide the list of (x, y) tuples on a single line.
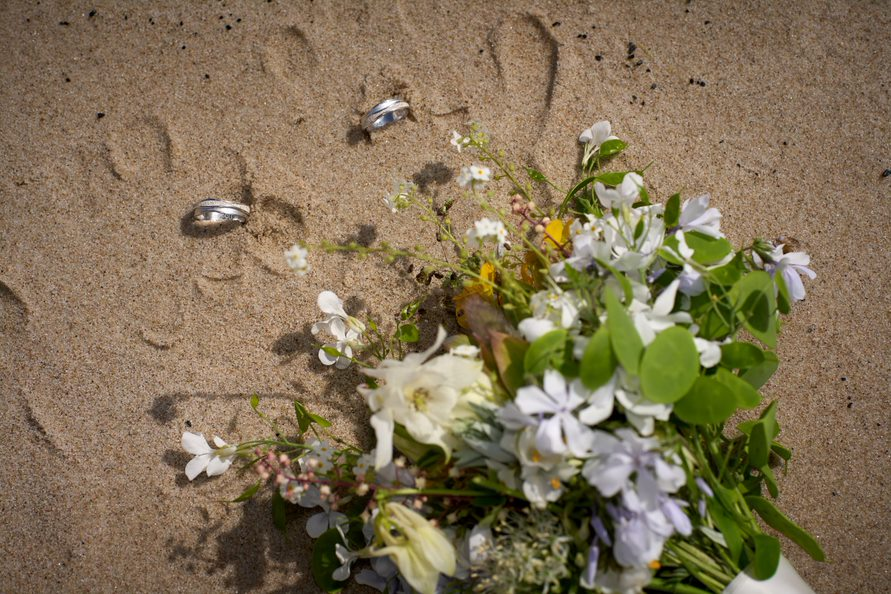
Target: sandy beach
[(121, 326)]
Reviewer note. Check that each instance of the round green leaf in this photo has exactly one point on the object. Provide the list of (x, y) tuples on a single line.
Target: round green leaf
[(741, 355), (708, 401), (598, 361), (746, 396), (669, 366)]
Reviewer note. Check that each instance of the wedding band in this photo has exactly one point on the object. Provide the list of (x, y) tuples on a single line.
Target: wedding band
[(213, 212), (384, 113)]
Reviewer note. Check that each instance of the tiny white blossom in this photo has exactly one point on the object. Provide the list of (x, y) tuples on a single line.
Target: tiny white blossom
[(485, 229), (459, 141), (474, 177), (791, 266), (398, 199), (214, 461), (296, 259), (558, 430)]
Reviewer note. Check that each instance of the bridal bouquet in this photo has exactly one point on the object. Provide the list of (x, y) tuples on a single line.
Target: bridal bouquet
[(579, 435)]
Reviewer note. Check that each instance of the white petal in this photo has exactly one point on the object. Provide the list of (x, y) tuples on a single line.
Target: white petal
[(608, 476), (549, 437), (531, 400), (578, 437), (331, 304), (196, 465), (533, 328), (601, 131), (586, 136), (195, 444), (555, 386), (325, 358), (218, 465), (317, 524), (665, 302), (383, 425), (218, 441)]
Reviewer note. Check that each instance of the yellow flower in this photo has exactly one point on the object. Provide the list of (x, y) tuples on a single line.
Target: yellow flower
[(420, 550), (556, 230), (486, 290)]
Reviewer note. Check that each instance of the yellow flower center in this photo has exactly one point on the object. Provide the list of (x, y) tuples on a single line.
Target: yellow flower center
[(536, 456), (419, 397), (555, 483), (654, 565)]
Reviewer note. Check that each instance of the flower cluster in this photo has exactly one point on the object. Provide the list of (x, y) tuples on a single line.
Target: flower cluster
[(574, 439)]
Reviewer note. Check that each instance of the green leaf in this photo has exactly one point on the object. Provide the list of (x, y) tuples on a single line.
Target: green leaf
[(612, 147), (255, 402), (323, 422), (598, 361), (768, 417), (509, 353), (623, 335), (279, 511), (728, 527), (670, 366), (672, 214), (779, 522), (409, 310), (767, 557), (408, 333), (781, 451), (623, 280), (332, 351), (536, 175), (553, 350), (760, 373), (754, 301), (304, 420), (759, 445), (728, 274), (746, 396), (707, 402), (784, 302), (325, 561), (741, 355), (611, 178), (707, 249), (770, 480), (249, 492)]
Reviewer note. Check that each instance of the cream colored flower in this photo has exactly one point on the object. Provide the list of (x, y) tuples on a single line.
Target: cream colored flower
[(420, 550)]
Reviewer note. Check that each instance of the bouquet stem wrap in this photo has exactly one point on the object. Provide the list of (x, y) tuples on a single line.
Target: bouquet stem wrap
[(786, 581)]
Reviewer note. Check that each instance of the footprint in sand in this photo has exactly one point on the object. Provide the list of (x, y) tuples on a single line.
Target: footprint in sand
[(13, 313), (145, 156), (526, 58)]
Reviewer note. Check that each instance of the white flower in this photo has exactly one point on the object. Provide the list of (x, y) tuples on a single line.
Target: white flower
[(398, 199), (544, 474), (625, 194), (649, 321), (618, 458), (486, 229), (597, 134), (421, 551), (296, 259), (697, 216), (459, 141), (791, 266), (214, 461), (550, 310), (346, 330), (558, 429), (318, 524), (467, 351), (418, 394), (474, 177), (364, 464)]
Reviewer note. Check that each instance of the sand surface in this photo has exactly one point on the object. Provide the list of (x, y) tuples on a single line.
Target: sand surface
[(120, 327)]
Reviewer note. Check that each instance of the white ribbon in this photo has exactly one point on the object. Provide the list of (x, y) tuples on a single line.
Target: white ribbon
[(785, 581)]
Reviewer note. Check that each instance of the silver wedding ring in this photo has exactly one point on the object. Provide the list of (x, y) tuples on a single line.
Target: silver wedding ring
[(213, 212), (384, 113)]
